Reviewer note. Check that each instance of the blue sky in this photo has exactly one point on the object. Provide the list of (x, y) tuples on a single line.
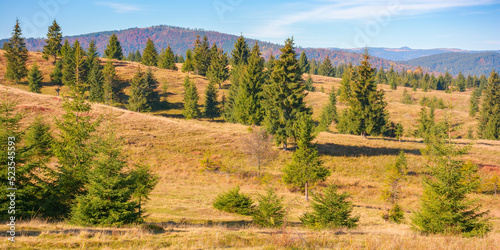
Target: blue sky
[(422, 24)]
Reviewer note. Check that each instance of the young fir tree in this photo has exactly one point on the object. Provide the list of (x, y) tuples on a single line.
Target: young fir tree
[(211, 104), (330, 210), (218, 71), (167, 59), (16, 54), (304, 63), (108, 200), (57, 74), (326, 68), (113, 49), (234, 202), (144, 182), (309, 83), (248, 104), (348, 78), (461, 82), (444, 205), (138, 100), (53, 42), (329, 112), (366, 113), (240, 54), (191, 97), (110, 87), (284, 96), (270, 212), (92, 54), (395, 175), (399, 131), (74, 146), (201, 56), (306, 168), (188, 64), (489, 118), (95, 81), (152, 96), (150, 54), (35, 79), (381, 77), (137, 56)]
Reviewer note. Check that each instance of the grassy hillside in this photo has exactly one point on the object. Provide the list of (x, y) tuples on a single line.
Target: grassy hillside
[(181, 202)]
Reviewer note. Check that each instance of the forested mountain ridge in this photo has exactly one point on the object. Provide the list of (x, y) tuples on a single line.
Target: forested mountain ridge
[(453, 62), (406, 53)]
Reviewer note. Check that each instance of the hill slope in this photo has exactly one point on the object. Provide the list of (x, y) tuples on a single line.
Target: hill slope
[(467, 63)]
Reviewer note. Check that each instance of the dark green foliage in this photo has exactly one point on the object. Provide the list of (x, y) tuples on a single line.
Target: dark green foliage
[(366, 113), (309, 84), (284, 96), (16, 54), (248, 104), (326, 68), (108, 200), (95, 81), (53, 42), (211, 104), (138, 96), (110, 86), (330, 210), (474, 102), (191, 97), (137, 56), (270, 63), (461, 82), (218, 71), (240, 52), (57, 74), (74, 68), (348, 78), (144, 181), (329, 112), (201, 56), (381, 78), (150, 54), (167, 59), (399, 131), (188, 65), (92, 54), (306, 168), (426, 124), (304, 63), (395, 214), (392, 83), (270, 212), (234, 202), (445, 207), (407, 98), (35, 79), (114, 48), (489, 119)]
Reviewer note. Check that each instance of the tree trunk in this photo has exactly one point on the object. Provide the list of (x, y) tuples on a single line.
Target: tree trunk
[(284, 146), (363, 134), (307, 193)]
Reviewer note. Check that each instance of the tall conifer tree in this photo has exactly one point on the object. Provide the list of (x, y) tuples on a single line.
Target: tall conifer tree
[(239, 56), (150, 54), (489, 119), (53, 42), (191, 97), (304, 63), (218, 71), (188, 64), (114, 48), (16, 54), (35, 79)]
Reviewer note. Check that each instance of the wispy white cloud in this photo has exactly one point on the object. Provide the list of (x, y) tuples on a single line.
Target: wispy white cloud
[(336, 10), (120, 7)]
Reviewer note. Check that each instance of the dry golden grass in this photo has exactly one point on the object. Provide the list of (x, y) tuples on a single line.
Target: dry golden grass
[(182, 201)]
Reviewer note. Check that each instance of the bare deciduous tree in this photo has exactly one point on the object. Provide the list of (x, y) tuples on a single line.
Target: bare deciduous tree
[(259, 146)]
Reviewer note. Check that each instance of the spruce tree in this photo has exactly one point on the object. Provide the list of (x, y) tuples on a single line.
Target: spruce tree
[(211, 104), (144, 181), (284, 96), (188, 64), (95, 81), (35, 79), (270, 212), (191, 97), (399, 132), (461, 82), (489, 118), (137, 56), (16, 54), (92, 54), (306, 168), (474, 102), (153, 98), (381, 77), (138, 100), (270, 63), (304, 63), (309, 84), (110, 87), (366, 113), (167, 59), (326, 68), (108, 200), (329, 112), (248, 103), (113, 49), (201, 56), (348, 78), (330, 210), (239, 56), (395, 174), (218, 71), (444, 205), (150, 54), (53, 42)]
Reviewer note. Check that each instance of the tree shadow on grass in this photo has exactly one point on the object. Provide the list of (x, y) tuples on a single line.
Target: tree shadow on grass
[(354, 151)]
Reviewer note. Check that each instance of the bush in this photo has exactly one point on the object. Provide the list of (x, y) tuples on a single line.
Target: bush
[(270, 212), (234, 202), (395, 214), (330, 210)]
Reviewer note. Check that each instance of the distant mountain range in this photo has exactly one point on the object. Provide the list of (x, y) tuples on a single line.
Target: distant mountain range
[(406, 53), (181, 39)]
